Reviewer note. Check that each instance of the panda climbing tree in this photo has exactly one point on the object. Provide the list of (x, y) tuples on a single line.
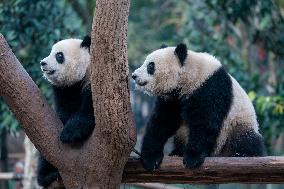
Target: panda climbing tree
[(99, 161), (67, 68)]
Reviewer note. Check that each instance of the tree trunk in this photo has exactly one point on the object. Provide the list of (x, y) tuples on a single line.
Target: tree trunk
[(115, 133), (99, 162)]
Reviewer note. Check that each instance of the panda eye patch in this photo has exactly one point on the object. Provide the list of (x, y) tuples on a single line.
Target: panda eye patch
[(59, 57), (151, 68)]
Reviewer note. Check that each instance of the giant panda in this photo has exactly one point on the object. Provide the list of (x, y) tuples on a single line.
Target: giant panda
[(67, 70), (200, 103)]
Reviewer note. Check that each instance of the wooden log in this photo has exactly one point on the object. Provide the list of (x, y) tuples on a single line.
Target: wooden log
[(215, 170)]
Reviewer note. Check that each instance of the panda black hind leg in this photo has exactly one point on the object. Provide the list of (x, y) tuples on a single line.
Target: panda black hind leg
[(204, 112), (81, 124), (246, 143), (46, 172)]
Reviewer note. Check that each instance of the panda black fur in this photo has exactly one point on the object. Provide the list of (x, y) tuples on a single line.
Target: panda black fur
[(198, 102), (67, 69)]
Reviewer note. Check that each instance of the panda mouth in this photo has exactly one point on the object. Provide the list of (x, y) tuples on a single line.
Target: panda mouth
[(49, 72), (142, 83)]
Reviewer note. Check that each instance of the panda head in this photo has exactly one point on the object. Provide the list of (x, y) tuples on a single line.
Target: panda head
[(67, 62), (159, 74)]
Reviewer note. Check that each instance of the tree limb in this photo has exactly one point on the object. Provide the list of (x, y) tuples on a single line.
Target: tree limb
[(215, 170), (30, 107)]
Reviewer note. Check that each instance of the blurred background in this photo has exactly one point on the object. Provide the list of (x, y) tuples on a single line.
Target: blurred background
[(247, 36)]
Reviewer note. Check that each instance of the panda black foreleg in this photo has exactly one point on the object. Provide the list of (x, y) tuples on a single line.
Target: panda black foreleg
[(201, 142), (78, 128), (81, 124), (204, 112), (163, 123), (46, 173)]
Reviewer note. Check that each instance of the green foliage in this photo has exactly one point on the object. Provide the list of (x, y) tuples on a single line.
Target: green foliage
[(31, 27), (270, 113)]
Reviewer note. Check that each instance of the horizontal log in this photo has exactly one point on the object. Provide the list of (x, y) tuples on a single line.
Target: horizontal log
[(215, 170), (8, 176)]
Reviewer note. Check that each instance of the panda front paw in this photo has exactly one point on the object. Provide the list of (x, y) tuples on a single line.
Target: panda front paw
[(71, 134), (46, 180), (193, 160), (151, 161)]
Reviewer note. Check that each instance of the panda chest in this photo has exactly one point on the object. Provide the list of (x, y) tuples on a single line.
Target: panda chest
[(72, 103), (68, 100)]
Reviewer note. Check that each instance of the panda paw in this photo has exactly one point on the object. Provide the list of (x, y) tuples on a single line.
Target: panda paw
[(71, 135), (151, 161), (193, 161)]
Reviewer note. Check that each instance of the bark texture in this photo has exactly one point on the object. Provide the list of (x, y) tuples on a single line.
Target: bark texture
[(215, 170), (29, 106), (98, 162), (115, 134)]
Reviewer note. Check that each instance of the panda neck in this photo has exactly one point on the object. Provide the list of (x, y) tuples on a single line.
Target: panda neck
[(74, 87), (197, 69)]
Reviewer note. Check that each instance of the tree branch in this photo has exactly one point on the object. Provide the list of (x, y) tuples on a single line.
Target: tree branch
[(215, 170), (30, 107)]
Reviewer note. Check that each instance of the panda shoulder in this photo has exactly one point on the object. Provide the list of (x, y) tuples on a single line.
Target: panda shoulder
[(204, 57)]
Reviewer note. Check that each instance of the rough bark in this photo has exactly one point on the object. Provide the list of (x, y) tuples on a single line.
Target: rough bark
[(215, 170), (29, 106), (115, 133), (98, 162)]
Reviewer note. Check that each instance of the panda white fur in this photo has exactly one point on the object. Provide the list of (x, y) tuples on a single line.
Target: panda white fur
[(67, 69), (198, 101)]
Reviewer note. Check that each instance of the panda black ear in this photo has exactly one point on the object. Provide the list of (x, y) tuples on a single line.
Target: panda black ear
[(57, 40), (86, 43), (163, 46), (181, 52)]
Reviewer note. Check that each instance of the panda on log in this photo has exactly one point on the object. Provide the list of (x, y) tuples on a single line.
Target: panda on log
[(67, 69), (200, 103)]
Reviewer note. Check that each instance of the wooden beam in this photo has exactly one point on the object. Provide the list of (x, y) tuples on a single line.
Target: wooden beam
[(7, 176), (215, 170)]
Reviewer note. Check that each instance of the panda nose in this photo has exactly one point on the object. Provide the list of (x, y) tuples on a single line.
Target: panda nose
[(42, 63), (134, 76)]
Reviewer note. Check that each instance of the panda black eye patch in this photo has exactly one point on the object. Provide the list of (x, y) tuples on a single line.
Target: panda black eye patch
[(151, 68), (59, 57)]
